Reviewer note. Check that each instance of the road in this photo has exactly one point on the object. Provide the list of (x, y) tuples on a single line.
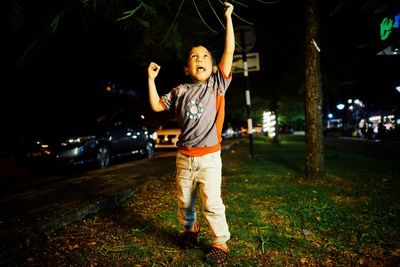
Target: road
[(16, 179), (24, 193)]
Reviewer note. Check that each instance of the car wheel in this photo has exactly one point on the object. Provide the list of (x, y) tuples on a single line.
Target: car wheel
[(103, 157), (150, 149)]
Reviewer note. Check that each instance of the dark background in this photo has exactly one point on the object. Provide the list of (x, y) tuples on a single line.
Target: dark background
[(49, 74)]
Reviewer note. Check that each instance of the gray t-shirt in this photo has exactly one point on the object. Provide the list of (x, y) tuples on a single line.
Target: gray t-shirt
[(200, 111)]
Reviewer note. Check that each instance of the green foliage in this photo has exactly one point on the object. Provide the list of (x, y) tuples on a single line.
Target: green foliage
[(321, 218)]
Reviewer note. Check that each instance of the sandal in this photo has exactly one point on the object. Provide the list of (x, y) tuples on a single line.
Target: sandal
[(217, 254), (190, 239)]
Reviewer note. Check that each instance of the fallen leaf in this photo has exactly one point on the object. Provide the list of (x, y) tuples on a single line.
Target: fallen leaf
[(72, 247), (306, 232)]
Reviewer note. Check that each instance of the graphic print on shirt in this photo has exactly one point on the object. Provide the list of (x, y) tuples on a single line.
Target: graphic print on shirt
[(194, 110)]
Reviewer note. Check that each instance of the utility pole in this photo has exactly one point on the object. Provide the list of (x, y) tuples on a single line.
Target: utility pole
[(247, 92)]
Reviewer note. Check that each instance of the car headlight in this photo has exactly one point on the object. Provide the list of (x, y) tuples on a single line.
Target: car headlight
[(77, 140), (153, 136)]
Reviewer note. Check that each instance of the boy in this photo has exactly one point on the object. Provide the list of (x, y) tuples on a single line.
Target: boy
[(199, 108)]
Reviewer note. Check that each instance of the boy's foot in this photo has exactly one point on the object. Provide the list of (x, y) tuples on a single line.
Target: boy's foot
[(217, 254), (190, 238)]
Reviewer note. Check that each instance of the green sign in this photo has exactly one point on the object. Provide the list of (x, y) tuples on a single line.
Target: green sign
[(387, 26)]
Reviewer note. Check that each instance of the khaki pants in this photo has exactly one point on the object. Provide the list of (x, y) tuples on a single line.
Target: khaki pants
[(201, 175)]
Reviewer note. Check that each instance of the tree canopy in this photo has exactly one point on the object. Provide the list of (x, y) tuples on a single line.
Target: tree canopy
[(79, 42)]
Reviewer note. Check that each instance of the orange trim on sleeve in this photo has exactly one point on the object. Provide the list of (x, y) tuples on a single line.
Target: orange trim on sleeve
[(223, 73), (162, 104), (220, 107)]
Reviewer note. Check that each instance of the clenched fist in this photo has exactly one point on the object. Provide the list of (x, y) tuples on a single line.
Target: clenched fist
[(153, 70)]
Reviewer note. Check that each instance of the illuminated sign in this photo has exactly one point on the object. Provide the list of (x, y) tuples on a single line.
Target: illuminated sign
[(387, 26)]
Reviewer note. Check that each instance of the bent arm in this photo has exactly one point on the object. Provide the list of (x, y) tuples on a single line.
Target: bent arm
[(154, 98), (229, 49)]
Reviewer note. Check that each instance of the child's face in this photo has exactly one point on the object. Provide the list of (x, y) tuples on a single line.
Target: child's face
[(199, 64)]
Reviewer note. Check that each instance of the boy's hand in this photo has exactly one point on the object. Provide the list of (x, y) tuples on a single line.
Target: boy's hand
[(153, 70), (228, 9)]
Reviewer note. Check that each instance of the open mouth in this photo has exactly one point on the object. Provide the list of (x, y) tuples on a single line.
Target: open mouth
[(201, 69)]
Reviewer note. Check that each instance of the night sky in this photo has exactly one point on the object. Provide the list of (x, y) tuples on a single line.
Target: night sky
[(65, 72)]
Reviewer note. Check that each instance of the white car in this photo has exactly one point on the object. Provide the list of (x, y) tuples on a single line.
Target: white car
[(168, 135)]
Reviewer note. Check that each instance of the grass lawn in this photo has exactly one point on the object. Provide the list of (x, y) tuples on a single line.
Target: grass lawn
[(276, 218)]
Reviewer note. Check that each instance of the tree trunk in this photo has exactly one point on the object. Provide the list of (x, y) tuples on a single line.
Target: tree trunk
[(315, 166)]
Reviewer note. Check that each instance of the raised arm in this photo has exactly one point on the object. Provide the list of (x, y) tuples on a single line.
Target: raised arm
[(227, 56), (154, 98)]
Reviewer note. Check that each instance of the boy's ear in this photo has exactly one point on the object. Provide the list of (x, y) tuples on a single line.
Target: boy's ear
[(215, 69), (186, 70)]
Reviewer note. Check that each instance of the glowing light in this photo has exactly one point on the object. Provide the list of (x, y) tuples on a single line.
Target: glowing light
[(330, 115), (398, 88), (340, 106), (269, 122), (387, 26)]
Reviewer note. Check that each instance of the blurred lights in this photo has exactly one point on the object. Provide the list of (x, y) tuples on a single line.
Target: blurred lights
[(77, 140), (340, 106), (269, 122), (153, 136), (398, 88), (352, 104), (375, 118)]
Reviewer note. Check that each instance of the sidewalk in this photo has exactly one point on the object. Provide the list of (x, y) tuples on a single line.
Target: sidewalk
[(29, 215)]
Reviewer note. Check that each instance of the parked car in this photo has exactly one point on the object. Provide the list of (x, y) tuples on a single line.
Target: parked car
[(95, 141), (229, 131), (168, 135)]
